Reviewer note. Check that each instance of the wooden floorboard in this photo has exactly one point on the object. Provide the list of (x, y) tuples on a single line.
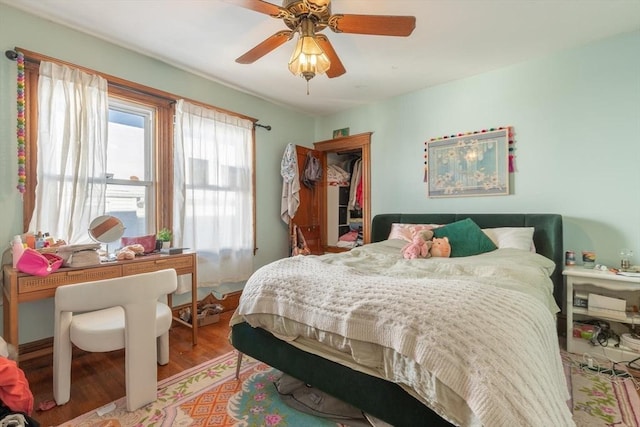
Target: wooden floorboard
[(98, 378)]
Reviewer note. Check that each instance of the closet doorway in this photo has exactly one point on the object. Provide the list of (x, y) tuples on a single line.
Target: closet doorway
[(337, 210)]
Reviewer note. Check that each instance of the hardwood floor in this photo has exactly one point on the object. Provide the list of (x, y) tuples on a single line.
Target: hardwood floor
[(98, 378)]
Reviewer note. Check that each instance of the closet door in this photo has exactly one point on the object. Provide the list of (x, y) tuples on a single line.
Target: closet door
[(308, 217)]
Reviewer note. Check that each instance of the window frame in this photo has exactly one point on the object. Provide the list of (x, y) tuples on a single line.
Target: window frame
[(147, 182), (130, 92)]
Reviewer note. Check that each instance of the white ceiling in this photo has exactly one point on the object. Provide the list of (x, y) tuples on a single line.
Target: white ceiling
[(453, 39)]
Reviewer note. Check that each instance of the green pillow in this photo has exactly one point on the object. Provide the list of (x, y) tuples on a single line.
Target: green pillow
[(465, 238)]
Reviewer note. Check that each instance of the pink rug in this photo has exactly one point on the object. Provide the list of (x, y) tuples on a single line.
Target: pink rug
[(209, 395), (601, 399)]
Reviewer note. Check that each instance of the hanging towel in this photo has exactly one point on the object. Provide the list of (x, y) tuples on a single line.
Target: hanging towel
[(290, 184)]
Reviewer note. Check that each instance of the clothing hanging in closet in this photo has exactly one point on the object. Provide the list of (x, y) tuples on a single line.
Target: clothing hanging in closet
[(337, 176), (356, 177)]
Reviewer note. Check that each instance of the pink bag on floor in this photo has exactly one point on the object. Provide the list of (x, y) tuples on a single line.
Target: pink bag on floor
[(37, 264)]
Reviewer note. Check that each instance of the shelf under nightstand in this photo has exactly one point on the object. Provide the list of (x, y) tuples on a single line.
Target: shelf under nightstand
[(603, 283)]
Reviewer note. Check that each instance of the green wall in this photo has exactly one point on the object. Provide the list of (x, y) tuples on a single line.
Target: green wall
[(576, 117)]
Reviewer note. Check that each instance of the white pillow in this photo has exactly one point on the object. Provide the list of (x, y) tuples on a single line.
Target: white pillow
[(512, 237), (408, 231)]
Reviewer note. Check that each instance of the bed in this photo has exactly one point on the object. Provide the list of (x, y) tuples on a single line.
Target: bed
[(493, 360)]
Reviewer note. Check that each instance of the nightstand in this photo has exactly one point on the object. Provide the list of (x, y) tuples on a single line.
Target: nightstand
[(588, 281)]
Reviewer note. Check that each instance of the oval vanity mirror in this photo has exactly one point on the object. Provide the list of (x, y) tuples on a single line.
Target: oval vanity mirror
[(106, 229)]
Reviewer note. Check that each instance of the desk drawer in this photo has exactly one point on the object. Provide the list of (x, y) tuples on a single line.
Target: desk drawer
[(182, 265), (35, 283)]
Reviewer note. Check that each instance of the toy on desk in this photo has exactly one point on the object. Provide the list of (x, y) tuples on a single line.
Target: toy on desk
[(130, 251)]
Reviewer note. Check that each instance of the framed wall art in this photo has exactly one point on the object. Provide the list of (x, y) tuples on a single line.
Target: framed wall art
[(338, 133), (471, 164)]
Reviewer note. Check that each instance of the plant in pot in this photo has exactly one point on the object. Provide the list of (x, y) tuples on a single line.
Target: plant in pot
[(164, 236)]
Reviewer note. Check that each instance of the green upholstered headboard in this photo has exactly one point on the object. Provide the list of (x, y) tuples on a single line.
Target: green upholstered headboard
[(547, 237)]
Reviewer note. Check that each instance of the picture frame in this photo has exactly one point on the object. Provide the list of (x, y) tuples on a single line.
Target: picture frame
[(472, 164), (339, 133)]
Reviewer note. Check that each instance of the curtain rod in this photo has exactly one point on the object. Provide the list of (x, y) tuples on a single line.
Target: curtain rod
[(267, 127), (35, 57)]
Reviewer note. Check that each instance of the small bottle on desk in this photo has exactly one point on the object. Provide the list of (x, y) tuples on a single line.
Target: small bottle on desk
[(39, 240), (17, 248), (31, 240)]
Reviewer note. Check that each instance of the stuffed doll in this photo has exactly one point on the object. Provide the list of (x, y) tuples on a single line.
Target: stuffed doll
[(440, 247), (419, 247)]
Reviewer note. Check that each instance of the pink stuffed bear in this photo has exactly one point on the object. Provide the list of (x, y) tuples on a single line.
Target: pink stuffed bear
[(440, 247), (419, 247)]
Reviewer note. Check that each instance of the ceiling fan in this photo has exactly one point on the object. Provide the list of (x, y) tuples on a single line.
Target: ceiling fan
[(314, 53)]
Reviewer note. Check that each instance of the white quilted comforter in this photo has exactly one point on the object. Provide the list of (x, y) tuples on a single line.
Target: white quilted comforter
[(483, 326)]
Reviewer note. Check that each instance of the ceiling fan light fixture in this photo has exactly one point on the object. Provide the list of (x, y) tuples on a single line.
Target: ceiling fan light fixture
[(314, 53), (308, 58)]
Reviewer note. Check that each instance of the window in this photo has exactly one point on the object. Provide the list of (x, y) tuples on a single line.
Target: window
[(130, 176), (137, 175), (142, 186), (213, 195)]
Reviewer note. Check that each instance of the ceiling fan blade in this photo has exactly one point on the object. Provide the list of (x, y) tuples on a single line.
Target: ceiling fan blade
[(336, 68), (382, 25), (265, 47), (263, 7)]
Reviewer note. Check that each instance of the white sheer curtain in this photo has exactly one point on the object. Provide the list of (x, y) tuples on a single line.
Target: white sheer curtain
[(73, 115), (213, 194)]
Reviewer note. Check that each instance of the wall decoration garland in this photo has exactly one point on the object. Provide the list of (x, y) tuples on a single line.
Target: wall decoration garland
[(20, 127), (470, 164)]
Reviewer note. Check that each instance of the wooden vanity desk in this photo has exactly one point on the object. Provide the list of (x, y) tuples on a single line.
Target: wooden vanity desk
[(20, 287)]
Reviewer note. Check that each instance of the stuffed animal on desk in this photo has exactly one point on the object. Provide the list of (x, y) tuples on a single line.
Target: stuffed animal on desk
[(130, 251)]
